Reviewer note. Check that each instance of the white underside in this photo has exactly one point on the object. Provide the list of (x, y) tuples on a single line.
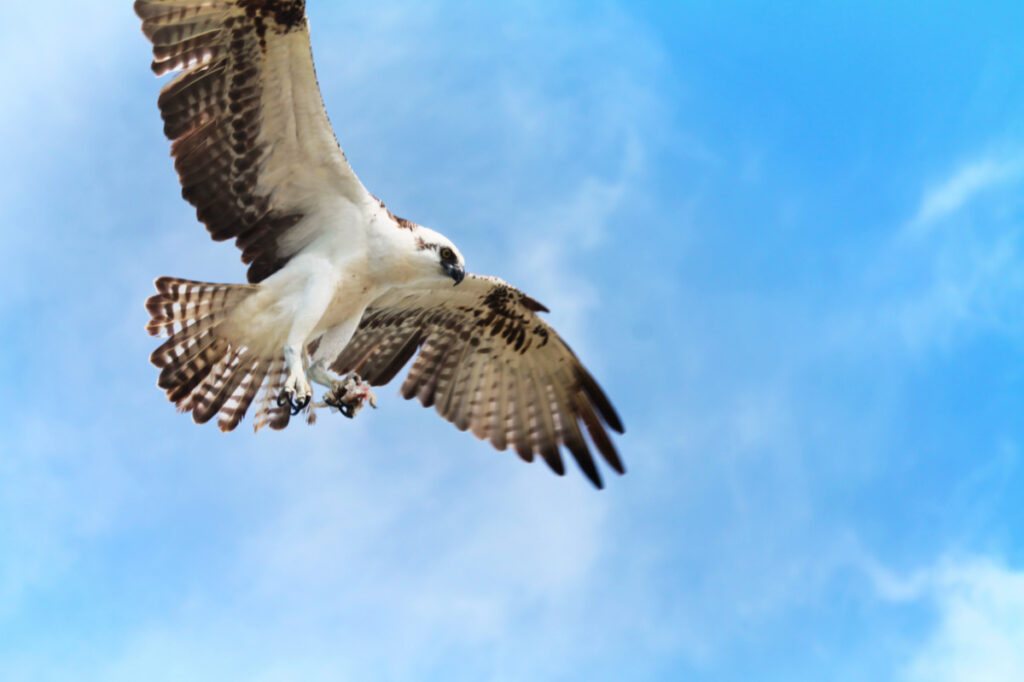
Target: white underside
[(322, 293)]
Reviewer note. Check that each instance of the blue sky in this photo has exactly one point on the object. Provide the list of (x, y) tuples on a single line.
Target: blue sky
[(787, 237)]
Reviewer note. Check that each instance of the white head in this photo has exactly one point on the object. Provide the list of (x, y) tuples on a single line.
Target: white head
[(435, 257)]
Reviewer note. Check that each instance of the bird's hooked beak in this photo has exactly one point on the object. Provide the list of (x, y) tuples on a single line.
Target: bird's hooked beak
[(455, 271)]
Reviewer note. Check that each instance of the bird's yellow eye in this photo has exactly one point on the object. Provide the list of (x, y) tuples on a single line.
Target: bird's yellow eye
[(447, 254)]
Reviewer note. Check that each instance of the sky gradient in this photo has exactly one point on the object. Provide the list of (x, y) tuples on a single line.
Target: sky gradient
[(787, 238)]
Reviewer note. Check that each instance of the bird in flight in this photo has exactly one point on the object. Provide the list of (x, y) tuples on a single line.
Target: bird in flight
[(341, 292)]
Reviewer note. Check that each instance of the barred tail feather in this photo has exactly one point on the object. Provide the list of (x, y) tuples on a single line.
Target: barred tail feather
[(269, 412), (181, 303), (203, 373)]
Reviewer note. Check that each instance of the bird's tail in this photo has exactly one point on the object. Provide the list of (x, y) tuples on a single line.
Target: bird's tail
[(202, 371)]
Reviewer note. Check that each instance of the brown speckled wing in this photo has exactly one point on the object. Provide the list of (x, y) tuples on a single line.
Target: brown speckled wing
[(488, 364), (250, 139)]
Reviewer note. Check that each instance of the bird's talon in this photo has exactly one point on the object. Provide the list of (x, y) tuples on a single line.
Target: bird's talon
[(299, 405), (287, 399), (349, 396)]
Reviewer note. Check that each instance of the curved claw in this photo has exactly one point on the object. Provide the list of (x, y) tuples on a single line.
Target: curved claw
[(299, 405), (295, 406), (340, 406)]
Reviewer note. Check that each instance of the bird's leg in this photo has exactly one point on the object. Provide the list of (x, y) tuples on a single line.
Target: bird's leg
[(319, 374), (320, 286), (349, 395), (297, 391)]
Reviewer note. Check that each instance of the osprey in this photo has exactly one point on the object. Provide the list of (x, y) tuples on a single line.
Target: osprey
[(341, 292)]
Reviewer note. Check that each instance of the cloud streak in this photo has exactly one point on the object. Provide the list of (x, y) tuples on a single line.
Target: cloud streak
[(967, 183), (979, 634)]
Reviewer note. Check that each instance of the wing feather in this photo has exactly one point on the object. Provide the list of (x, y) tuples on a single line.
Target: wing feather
[(481, 400), (389, 365), (542, 434), (456, 372), (518, 429), (252, 145), (489, 364), (470, 386), (496, 410)]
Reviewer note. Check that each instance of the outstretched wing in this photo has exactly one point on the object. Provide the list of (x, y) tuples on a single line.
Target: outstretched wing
[(490, 364), (251, 141)]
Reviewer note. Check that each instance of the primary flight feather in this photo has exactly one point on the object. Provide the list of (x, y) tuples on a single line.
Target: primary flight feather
[(341, 292)]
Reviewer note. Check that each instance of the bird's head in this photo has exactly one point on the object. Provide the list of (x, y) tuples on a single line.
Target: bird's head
[(437, 257)]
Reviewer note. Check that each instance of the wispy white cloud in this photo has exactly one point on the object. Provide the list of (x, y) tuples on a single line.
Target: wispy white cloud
[(958, 284), (559, 232), (967, 182), (930, 288), (979, 633)]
